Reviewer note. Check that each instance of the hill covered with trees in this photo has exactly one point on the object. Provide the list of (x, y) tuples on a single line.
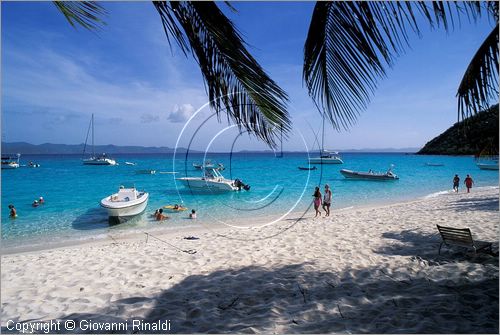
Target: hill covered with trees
[(468, 137)]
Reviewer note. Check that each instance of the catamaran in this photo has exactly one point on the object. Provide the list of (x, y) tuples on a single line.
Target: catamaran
[(95, 160), (213, 180)]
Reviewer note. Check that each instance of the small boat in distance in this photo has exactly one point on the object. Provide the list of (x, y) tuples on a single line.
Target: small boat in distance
[(130, 163), (145, 172), (488, 165), (434, 164), (370, 175), (127, 202), (10, 161), (208, 165), (308, 168), (95, 160), (326, 157), (212, 180)]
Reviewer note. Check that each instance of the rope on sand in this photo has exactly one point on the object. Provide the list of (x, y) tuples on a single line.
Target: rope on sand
[(189, 251)]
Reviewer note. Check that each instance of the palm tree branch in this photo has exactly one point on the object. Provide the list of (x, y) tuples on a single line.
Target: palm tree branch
[(479, 83), (351, 44), (84, 13), (235, 82)]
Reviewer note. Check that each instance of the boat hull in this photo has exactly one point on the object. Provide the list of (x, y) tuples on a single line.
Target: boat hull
[(487, 166), (319, 160), (126, 208), (367, 176), (199, 184), (10, 166), (106, 161)]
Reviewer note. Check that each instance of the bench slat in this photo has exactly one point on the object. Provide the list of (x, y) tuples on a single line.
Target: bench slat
[(460, 237)]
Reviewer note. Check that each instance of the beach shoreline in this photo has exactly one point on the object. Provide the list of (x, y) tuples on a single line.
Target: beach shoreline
[(373, 269), (200, 224)]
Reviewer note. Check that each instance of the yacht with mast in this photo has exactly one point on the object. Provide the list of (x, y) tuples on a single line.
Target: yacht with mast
[(95, 160), (325, 156)]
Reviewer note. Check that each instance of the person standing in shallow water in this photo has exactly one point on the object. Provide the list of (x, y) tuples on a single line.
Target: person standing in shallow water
[(456, 183), (468, 183), (317, 201)]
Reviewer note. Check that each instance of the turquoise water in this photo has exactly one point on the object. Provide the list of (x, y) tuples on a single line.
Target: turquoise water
[(72, 191)]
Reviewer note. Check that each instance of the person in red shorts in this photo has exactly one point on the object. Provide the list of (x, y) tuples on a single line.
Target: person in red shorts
[(468, 183)]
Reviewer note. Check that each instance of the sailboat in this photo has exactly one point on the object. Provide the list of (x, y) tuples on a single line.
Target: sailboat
[(95, 160), (326, 156)]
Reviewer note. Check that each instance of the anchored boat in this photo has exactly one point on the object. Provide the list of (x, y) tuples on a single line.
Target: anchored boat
[(213, 180), (370, 175), (95, 160), (126, 203), (10, 161)]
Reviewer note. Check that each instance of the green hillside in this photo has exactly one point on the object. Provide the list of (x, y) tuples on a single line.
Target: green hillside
[(468, 137)]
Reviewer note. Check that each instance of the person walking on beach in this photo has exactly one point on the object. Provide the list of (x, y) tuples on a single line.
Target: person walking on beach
[(456, 183), (317, 201), (327, 200), (468, 183)]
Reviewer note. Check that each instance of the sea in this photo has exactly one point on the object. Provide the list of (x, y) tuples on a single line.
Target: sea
[(278, 191)]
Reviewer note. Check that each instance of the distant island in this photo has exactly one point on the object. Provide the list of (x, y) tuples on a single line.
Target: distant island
[(77, 149), (468, 137), (73, 149)]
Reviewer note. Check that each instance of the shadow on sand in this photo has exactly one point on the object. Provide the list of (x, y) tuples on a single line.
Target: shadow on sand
[(475, 204), (293, 299)]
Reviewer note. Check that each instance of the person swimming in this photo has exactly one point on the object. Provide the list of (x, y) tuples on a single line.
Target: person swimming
[(160, 216), (13, 212), (35, 203), (192, 215), (41, 200)]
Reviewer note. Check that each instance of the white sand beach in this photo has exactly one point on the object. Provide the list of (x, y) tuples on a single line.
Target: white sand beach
[(362, 270)]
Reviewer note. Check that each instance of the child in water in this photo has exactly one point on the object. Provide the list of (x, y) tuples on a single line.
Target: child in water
[(193, 214)]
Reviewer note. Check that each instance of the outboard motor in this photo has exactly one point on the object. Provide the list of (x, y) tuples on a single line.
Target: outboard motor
[(239, 184)]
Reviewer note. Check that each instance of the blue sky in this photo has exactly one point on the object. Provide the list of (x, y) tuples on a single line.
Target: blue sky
[(142, 92)]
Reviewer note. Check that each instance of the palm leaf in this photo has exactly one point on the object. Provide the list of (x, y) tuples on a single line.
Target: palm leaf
[(350, 45), (235, 82), (84, 13), (479, 84)]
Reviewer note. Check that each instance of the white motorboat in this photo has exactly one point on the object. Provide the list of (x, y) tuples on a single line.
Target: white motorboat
[(326, 157), (95, 160), (10, 162), (130, 163), (212, 180), (370, 175), (127, 202)]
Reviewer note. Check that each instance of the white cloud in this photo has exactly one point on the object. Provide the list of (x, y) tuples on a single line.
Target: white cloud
[(181, 113), (149, 118)]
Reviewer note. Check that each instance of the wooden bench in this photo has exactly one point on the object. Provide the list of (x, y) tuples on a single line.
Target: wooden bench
[(462, 238)]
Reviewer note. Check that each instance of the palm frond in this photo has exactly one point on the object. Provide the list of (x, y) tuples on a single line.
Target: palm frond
[(235, 82), (84, 13), (350, 45), (479, 84)]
